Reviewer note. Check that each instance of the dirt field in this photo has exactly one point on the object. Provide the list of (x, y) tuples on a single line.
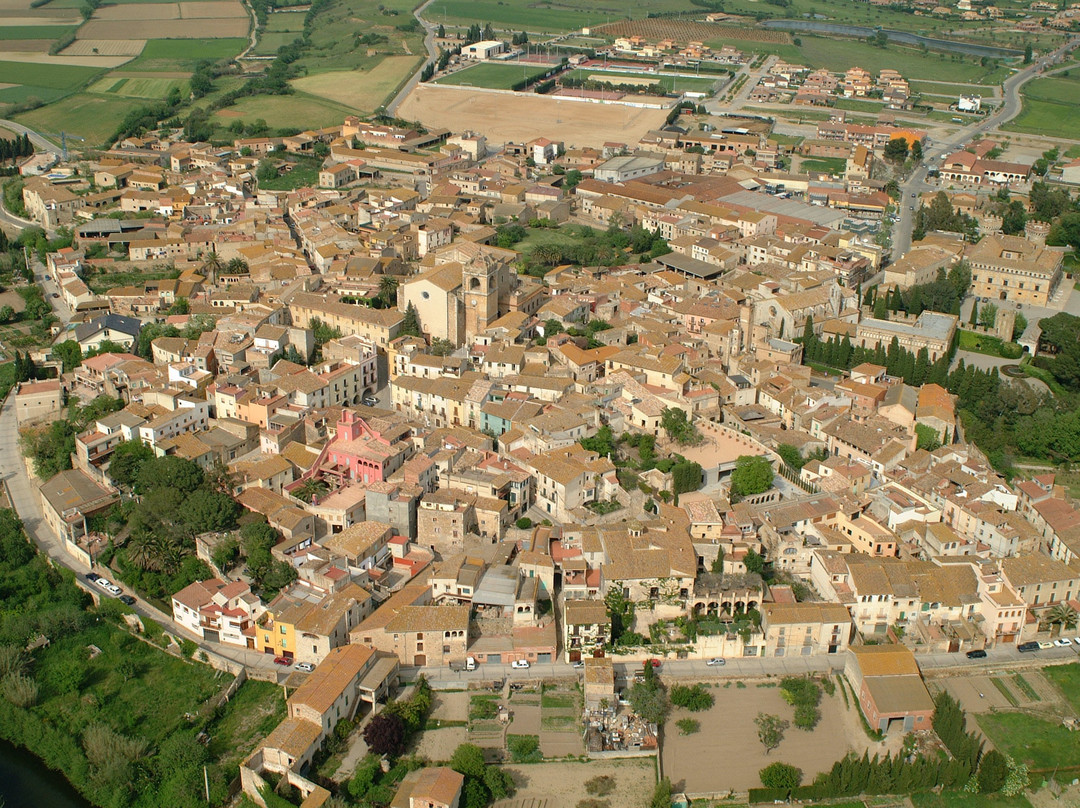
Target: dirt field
[(980, 694), (450, 706), (562, 785), (177, 29), (78, 61), (363, 90), (728, 734), (139, 11), (106, 47), (438, 745), (505, 117)]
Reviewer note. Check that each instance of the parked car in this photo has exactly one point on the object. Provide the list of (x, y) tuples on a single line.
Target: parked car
[(720, 661), (127, 600), (55, 294), (656, 663), (1026, 647), (521, 664), (1076, 640), (91, 577), (579, 665), (114, 590), (1061, 642), (1044, 644), (978, 653), (280, 660), (371, 401), (305, 667)]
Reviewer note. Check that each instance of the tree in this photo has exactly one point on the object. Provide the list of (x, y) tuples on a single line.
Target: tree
[(1065, 232), (993, 771), (780, 775), (661, 797), (677, 426), (649, 700), (791, 455), (69, 353), (388, 286), (752, 475), (974, 318), (468, 759), (988, 315), (1062, 615), (127, 461), (441, 347), (385, 735), (717, 566), (916, 150), (694, 698), (896, 150), (1027, 54), (410, 325), (754, 562), (770, 730), (881, 309)]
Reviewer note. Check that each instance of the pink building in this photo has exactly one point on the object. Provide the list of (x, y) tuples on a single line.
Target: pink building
[(358, 452)]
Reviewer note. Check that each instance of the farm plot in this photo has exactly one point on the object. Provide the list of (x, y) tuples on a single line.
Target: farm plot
[(88, 115), (56, 76), (682, 31), (134, 12), (136, 87), (562, 784), (726, 753), (204, 28), (493, 76), (362, 90), (299, 111), (503, 117), (46, 32), (177, 55), (549, 15), (105, 47)]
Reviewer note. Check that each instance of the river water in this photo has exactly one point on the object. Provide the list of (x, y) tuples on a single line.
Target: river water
[(26, 782)]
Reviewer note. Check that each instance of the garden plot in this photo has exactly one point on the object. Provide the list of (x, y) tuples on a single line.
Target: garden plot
[(562, 784)]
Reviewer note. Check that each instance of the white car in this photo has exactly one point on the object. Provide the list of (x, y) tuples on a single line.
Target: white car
[(719, 661), (579, 665), (114, 590), (305, 667), (1044, 644), (1061, 642), (521, 664)]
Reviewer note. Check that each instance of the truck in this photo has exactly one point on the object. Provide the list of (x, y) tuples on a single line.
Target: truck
[(468, 665)]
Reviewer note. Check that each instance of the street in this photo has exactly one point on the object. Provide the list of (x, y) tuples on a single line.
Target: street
[(915, 185)]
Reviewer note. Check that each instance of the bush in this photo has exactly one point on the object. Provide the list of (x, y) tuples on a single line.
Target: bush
[(524, 523), (688, 726), (781, 775), (524, 748), (760, 795), (188, 648), (694, 698), (600, 786)]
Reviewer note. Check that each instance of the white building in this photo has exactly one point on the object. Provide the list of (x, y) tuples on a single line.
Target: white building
[(483, 50), (969, 103)]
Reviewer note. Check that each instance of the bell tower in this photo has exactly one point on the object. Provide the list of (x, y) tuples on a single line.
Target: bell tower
[(480, 282)]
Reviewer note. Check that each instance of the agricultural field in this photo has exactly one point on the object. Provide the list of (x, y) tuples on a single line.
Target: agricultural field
[(298, 111), (683, 31), (669, 83), (562, 784), (1050, 108), (88, 115), (502, 117), (177, 55), (546, 15), (494, 76), (45, 32), (360, 90), (358, 34), (840, 54), (135, 87)]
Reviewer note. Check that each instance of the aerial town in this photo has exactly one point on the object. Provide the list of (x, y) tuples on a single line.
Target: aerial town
[(718, 461)]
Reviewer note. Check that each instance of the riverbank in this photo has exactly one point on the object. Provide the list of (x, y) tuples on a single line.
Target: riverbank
[(26, 782)]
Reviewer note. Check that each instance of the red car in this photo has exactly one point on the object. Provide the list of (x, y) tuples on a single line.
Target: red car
[(280, 660), (656, 663)]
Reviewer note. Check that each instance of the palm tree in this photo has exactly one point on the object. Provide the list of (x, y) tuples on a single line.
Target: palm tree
[(212, 265), (144, 551), (388, 285), (310, 489), (1062, 615), (237, 266)]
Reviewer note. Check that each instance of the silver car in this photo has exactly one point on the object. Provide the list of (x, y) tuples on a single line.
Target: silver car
[(718, 661)]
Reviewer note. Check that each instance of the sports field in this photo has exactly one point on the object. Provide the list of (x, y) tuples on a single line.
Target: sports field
[(493, 75), (1050, 108), (668, 82), (360, 90), (504, 117)]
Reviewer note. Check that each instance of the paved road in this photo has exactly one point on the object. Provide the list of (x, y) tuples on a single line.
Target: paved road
[(41, 143), (1010, 107), (432, 52)]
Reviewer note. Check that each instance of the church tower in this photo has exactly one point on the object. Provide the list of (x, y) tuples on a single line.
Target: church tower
[(480, 282)]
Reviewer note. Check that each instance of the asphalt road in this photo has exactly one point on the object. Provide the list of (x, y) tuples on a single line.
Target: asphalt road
[(432, 55), (1010, 107)]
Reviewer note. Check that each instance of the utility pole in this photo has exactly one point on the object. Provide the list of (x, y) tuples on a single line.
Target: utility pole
[(206, 782)]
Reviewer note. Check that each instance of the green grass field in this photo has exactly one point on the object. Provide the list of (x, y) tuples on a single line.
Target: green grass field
[(1033, 740), (168, 55), (334, 41), (840, 54), (941, 88), (958, 799), (285, 21), (34, 31), (24, 92), (136, 87), (493, 75), (89, 115), (546, 15), (299, 110), (1067, 678), (669, 83), (831, 165), (57, 77), (1050, 108), (269, 43)]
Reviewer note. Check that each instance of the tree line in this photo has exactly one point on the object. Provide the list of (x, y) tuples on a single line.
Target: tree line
[(19, 146)]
